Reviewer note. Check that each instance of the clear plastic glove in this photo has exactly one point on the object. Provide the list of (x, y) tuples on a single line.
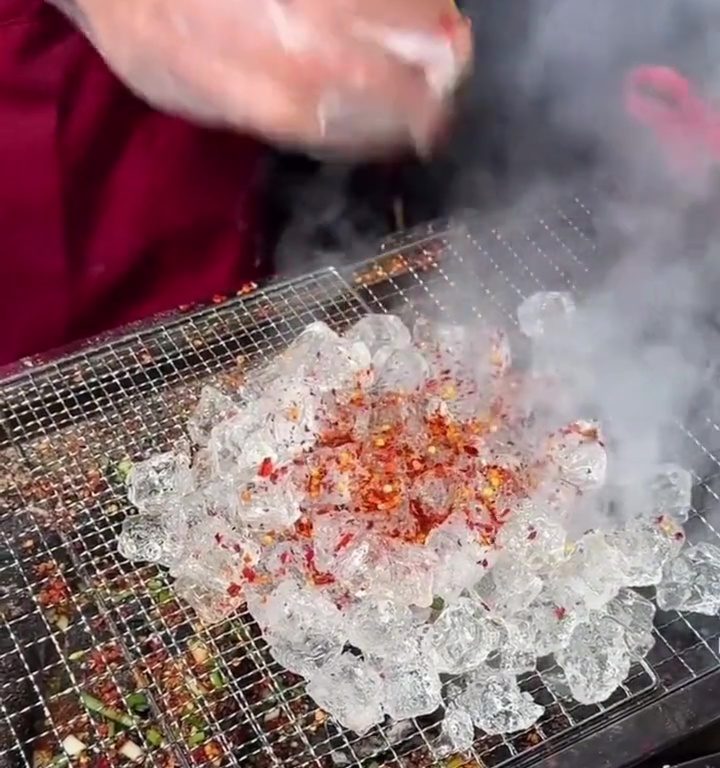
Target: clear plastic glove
[(354, 76)]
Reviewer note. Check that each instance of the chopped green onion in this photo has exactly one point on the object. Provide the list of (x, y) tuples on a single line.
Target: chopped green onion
[(123, 468), (217, 679), (96, 706), (154, 737), (138, 702), (196, 738)]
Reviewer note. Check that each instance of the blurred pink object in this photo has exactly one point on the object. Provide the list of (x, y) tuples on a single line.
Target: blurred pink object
[(686, 126)]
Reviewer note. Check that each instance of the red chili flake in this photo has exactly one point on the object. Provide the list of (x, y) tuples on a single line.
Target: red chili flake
[(532, 535), (249, 574), (266, 468), (55, 593), (309, 556), (560, 613), (234, 590), (322, 579), (345, 539), (219, 538), (471, 450), (679, 535), (277, 474), (285, 558)]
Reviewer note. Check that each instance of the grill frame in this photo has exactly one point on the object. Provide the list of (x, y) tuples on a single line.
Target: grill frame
[(58, 417)]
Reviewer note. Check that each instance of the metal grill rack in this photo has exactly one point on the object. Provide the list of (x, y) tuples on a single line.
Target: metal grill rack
[(79, 625)]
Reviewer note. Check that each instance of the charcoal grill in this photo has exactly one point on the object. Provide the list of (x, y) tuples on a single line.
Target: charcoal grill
[(78, 624)]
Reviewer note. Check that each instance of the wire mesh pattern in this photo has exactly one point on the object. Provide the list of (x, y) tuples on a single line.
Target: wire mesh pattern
[(95, 649)]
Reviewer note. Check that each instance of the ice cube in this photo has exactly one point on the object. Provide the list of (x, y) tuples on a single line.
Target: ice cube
[(266, 505), (394, 411), (405, 370), (242, 442), (212, 408), (383, 629), (509, 587), (496, 703), (349, 689), (449, 341), (547, 312), (404, 574), (579, 456), (462, 637), (592, 575), (671, 491), (534, 538), (596, 659), (412, 689), (635, 615), (151, 538), (210, 601), (459, 554), (304, 629), (158, 481), (516, 646), (381, 334), (341, 414), (217, 554), (325, 477), (354, 565), (325, 360), (691, 582), (308, 346), (457, 731), (553, 623), (292, 418), (646, 547), (203, 470), (319, 357)]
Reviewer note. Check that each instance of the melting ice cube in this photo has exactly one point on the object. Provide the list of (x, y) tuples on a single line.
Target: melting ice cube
[(462, 637), (545, 312), (349, 689), (496, 703), (412, 689), (691, 582), (154, 483), (596, 659)]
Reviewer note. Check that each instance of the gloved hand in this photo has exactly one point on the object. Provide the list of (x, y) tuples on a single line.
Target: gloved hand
[(354, 76)]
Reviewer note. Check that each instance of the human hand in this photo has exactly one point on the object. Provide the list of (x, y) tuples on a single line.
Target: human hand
[(352, 76)]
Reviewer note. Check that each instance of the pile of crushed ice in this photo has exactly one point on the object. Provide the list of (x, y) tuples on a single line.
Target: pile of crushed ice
[(396, 511)]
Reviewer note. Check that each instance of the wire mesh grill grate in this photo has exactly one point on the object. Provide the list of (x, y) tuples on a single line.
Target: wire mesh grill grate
[(81, 630)]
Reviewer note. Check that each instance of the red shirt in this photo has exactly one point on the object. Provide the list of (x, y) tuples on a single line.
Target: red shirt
[(109, 211)]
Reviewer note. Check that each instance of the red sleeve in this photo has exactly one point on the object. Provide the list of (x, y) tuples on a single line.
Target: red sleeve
[(109, 211)]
